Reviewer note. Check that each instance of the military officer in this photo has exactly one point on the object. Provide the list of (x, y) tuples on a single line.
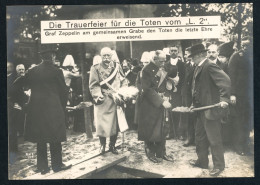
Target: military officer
[(103, 76)]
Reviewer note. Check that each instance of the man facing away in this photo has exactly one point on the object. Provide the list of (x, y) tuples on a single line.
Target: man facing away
[(210, 86), (103, 76), (45, 122)]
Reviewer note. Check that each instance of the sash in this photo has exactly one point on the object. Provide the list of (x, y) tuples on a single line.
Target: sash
[(113, 74), (162, 77)]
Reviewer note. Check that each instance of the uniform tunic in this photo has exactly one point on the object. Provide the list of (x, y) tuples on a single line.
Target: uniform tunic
[(105, 114)]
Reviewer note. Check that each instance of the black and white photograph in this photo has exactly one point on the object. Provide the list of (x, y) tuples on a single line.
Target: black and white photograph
[(130, 91)]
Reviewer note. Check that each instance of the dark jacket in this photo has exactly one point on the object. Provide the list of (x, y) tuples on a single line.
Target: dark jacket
[(223, 66), (151, 112), (172, 73), (212, 85), (186, 86), (18, 96), (240, 70), (131, 77), (45, 121)]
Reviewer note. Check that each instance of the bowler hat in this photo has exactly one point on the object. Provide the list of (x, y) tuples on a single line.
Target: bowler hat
[(196, 49)]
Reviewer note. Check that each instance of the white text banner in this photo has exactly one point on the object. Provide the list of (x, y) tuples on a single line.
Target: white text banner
[(130, 29)]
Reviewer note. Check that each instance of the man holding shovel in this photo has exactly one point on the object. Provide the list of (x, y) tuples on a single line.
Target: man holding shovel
[(210, 85)]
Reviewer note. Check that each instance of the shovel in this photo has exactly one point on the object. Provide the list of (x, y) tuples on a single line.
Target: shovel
[(187, 109)]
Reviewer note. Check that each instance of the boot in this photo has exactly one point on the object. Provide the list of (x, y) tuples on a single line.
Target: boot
[(102, 149), (103, 145), (113, 149)]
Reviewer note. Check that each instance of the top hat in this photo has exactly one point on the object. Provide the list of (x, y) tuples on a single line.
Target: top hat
[(196, 49), (48, 49)]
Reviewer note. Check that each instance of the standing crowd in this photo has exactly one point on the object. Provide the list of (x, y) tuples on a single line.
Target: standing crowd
[(214, 75)]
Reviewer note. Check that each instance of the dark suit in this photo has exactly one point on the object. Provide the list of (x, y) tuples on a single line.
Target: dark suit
[(187, 120), (16, 116), (151, 114), (45, 121), (210, 86), (223, 66), (176, 99), (240, 70), (130, 106)]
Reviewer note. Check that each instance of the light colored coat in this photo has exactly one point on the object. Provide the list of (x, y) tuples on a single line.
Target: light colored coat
[(105, 114)]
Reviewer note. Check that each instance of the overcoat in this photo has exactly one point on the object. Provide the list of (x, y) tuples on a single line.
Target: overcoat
[(186, 87), (45, 120), (212, 86), (105, 114), (173, 70), (150, 112)]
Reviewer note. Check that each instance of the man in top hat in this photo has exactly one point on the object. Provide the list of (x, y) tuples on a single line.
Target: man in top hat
[(45, 122), (210, 85), (240, 70), (106, 78)]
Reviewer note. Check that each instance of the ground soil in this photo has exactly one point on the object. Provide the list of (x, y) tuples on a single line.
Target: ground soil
[(78, 147)]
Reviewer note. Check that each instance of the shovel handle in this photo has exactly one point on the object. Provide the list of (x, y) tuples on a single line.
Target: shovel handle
[(206, 107)]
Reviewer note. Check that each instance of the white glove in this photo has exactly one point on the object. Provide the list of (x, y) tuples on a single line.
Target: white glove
[(233, 99), (223, 104)]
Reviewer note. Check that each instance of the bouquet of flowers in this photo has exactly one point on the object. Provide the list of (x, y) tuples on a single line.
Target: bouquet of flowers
[(124, 94)]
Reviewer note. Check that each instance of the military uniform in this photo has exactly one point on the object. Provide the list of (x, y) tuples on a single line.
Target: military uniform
[(152, 116), (105, 113)]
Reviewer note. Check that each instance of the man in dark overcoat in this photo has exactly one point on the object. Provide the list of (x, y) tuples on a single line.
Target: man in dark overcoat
[(45, 121), (176, 71), (152, 108), (240, 69), (187, 120), (16, 101), (210, 86)]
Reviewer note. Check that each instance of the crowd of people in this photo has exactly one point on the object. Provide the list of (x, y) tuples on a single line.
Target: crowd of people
[(207, 75)]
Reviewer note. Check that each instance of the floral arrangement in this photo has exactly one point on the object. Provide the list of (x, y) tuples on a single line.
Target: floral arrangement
[(125, 93)]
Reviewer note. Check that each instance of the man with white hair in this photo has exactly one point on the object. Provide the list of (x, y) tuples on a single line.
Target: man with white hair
[(20, 70), (106, 78), (153, 105), (16, 101)]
